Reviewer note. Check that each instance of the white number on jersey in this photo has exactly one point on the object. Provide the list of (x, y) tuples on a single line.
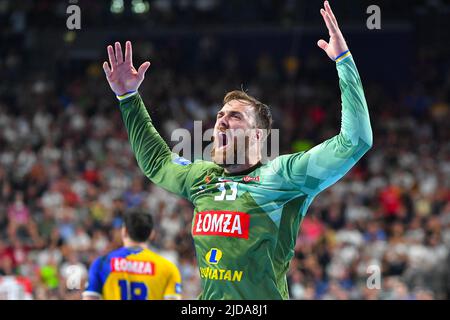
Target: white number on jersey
[(224, 195)]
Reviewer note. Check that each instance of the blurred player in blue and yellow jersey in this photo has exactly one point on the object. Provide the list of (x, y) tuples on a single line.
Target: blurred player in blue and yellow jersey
[(133, 272)]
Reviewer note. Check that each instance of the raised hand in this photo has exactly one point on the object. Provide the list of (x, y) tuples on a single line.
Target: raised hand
[(121, 74), (336, 44)]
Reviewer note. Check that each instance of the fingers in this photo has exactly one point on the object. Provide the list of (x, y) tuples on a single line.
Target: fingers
[(322, 44), (116, 57), (330, 13), (128, 53), (332, 29), (119, 56), (142, 69), (106, 69), (112, 58)]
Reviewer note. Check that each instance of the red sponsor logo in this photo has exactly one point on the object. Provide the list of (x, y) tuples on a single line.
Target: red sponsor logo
[(132, 266), (221, 223), (248, 179)]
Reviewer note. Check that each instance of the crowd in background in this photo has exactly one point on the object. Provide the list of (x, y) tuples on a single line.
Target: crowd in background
[(198, 13), (67, 173)]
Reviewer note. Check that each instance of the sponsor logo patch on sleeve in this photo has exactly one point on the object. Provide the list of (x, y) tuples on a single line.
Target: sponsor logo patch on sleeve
[(181, 161)]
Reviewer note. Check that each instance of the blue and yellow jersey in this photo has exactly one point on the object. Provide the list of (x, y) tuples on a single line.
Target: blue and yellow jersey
[(133, 273)]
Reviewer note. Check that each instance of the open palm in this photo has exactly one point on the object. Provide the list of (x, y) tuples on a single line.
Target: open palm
[(336, 45), (120, 73)]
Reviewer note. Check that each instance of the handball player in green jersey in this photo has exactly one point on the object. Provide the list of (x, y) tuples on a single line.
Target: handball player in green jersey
[(247, 214)]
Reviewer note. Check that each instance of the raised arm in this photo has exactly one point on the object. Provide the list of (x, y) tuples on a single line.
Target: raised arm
[(153, 156), (323, 165)]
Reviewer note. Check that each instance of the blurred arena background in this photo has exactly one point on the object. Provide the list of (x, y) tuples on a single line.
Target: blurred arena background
[(67, 172)]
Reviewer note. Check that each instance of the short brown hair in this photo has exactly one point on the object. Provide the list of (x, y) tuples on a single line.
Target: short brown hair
[(263, 114)]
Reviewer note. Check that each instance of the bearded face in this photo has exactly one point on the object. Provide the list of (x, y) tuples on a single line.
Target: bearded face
[(234, 134), (231, 147)]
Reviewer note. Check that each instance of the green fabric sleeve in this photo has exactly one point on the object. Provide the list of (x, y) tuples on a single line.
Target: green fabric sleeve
[(326, 163), (153, 155)]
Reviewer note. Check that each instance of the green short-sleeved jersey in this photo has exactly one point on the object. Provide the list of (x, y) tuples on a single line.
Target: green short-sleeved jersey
[(245, 226)]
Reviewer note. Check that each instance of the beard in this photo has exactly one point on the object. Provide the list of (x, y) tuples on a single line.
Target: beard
[(236, 153)]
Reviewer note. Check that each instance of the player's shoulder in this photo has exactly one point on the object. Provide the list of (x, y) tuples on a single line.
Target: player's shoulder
[(121, 252), (105, 259), (280, 162), (205, 165), (201, 168), (197, 164), (99, 264)]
